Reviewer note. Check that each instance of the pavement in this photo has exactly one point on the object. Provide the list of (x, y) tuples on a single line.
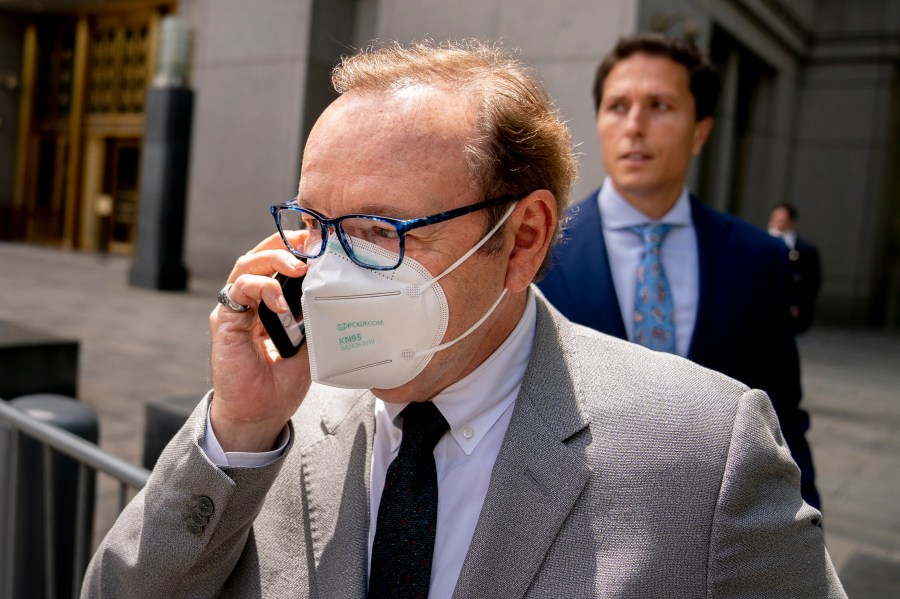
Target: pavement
[(140, 346)]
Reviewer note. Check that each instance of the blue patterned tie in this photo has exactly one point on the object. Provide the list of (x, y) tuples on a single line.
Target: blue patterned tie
[(654, 323), (407, 516)]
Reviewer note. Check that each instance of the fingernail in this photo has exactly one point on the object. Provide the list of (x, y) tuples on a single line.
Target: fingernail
[(282, 303)]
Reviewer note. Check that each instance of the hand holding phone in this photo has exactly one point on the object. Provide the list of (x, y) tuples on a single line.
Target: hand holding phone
[(285, 330)]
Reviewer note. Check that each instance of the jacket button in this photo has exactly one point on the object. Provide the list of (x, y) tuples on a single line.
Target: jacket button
[(205, 505), (199, 519), (195, 529)]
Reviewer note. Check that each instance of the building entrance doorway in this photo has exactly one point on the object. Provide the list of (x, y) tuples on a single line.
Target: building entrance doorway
[(81, 123)]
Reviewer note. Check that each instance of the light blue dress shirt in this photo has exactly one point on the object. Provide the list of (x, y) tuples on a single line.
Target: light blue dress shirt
[(679, 258)]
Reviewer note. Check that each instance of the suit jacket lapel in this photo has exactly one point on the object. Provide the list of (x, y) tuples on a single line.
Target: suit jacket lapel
[(336, 480), (713, 303), (538, 475), (587, 273)]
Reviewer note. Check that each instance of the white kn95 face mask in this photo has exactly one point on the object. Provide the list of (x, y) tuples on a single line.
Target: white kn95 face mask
[(370, 329)]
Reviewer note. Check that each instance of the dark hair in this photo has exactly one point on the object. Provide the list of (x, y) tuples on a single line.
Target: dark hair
[(791, 210), (702, 76), (520, 144)]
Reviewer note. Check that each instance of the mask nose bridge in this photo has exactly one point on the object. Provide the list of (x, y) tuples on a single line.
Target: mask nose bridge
[(332, 236), (332, 228)]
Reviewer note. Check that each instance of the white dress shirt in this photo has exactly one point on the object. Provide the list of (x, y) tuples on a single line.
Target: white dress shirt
[(478, 409), (679, 258), (789, 237)]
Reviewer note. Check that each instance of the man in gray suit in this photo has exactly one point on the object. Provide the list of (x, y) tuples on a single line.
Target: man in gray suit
[(567, 463)]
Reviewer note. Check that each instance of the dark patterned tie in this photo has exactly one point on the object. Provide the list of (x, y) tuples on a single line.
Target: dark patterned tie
[(407, 516), (654, 318)]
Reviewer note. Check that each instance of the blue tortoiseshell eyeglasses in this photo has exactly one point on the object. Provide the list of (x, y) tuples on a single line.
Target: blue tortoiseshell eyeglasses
[(305, 232)]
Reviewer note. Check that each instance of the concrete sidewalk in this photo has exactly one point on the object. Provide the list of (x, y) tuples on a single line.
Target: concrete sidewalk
[(140, 346)]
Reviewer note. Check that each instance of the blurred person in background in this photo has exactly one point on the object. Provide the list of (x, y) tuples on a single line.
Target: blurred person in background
[(643, 259), (806, 270)]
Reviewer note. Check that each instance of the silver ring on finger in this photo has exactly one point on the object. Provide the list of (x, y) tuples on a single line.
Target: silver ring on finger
[(225, 300)]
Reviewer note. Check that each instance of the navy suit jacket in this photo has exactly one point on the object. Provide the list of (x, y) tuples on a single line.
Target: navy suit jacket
[(743, 327), (807, 279)]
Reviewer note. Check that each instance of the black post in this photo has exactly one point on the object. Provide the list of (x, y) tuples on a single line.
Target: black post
[(164, 171)]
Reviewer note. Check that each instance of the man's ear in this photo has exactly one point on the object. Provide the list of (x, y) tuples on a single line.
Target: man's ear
[(702, 129), (532, 225)]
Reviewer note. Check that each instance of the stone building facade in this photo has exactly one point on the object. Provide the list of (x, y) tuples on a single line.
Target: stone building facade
[(810, 113)]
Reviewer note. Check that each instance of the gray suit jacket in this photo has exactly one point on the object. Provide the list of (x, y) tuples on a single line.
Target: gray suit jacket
[(624, 473)]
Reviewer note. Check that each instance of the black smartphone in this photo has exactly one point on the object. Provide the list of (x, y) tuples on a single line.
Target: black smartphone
[(286, 330)]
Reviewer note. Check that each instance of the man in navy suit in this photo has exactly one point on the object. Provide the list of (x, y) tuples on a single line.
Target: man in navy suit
[(723, 284), (806, 271)]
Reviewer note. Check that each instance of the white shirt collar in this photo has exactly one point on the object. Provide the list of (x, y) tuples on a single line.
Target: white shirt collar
[(790, 238), (618, 213), (473, 404)]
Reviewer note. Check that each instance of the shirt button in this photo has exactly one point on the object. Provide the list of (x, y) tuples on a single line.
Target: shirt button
[(468, 432)]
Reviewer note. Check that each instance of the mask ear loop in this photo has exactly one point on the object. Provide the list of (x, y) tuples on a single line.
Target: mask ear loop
[(474, 249), (437, 348), (462, 259)]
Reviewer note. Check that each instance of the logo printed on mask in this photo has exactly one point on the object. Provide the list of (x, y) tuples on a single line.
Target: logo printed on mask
[(404, 313), (343, 326)]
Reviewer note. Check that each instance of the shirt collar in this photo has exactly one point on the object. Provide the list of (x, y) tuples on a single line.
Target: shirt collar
[(618, 213), (473, 404), (790, 238)]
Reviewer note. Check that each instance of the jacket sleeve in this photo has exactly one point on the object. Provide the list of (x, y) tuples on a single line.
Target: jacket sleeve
[(183, 534), (765, 541)]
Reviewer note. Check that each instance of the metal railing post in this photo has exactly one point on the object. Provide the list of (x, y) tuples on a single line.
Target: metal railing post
[(91, 459), (82, 543), (12, 506), (49, 524)]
